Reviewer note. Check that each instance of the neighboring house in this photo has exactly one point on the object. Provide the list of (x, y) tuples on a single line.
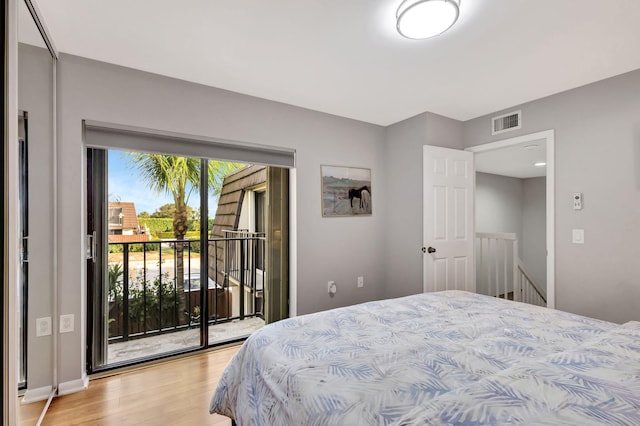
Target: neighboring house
[(238, 189), (123, 223), (241, 207)]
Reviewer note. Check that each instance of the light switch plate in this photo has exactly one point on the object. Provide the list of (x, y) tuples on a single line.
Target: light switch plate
[(578, 236)]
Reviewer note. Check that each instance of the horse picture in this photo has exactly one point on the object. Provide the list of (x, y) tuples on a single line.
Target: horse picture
[(346, 191)]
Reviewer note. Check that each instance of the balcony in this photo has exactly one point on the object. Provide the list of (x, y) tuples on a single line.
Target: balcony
[(155, 293)]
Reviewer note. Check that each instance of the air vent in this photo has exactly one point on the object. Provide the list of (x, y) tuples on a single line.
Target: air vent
[(506, 122)]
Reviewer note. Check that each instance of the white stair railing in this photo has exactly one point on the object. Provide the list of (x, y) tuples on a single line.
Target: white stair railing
[(531, 292), (496, 267), (500, 271)]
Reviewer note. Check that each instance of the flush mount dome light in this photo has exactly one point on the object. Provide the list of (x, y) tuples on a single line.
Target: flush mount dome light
[(420, 19)]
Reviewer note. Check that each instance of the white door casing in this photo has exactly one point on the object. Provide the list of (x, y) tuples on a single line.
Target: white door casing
[(448, 219), (549, 137)]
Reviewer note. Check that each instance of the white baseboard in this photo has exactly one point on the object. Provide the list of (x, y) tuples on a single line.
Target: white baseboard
[(38, 394), (74, 385)]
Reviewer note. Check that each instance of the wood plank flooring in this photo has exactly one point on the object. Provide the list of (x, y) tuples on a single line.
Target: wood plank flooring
[(172, 393), (30, 413)]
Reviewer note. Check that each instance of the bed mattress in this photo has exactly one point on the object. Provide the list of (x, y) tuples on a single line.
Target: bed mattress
[(438, 358)]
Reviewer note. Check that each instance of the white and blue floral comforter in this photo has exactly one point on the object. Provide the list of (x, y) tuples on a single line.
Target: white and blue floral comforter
[(439, 358)]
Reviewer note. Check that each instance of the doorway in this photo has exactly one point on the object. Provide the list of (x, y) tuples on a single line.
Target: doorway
[(515, 158)]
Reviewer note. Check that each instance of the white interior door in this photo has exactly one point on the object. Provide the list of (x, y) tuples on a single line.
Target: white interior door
[(448, 219)]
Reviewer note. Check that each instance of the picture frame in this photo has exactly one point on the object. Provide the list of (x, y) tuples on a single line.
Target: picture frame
[(345, 191)]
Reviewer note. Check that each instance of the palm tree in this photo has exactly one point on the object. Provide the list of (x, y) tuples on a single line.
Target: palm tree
[(179, 177)]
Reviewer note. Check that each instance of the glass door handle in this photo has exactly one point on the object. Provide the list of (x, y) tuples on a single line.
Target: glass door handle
[(24, 251), (91, 246)]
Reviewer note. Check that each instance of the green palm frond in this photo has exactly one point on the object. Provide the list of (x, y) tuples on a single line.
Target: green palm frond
[(166, 173), (170, 174), (218, 170)]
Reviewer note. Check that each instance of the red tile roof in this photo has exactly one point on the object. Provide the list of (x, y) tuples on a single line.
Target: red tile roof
[(130, 218), (136, 238)]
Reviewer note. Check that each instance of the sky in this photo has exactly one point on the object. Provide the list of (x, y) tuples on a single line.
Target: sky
[(354, 173), (125, 184)]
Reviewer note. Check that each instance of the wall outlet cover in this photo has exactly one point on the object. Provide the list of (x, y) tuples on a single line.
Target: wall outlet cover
[(577, 200), (66, 323), (43, 326), (360, 282)]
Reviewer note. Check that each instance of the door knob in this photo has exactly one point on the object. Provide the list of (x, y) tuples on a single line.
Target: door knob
[(431, 250)]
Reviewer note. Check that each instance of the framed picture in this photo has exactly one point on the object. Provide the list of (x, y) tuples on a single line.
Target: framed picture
[(346, 191)]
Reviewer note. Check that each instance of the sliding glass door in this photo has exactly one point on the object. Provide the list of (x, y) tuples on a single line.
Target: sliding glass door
[(146, 255), (176, 258)]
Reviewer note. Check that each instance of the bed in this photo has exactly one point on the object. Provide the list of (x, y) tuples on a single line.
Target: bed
[(439, 358)]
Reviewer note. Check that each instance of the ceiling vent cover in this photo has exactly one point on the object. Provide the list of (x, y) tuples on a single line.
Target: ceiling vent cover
[(506, 122)]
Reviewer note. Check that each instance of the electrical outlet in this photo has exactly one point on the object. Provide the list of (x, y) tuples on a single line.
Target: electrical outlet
[(66, 323), (43, 326), (331, 287), (577, 200), (360, 282)]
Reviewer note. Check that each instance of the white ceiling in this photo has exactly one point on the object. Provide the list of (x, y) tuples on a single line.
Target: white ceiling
[(345, 57), (514, 161)]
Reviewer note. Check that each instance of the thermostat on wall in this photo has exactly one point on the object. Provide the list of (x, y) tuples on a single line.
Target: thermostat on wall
[(577, 200)]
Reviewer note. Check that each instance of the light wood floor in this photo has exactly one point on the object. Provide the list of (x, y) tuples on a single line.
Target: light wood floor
[(172, 393)]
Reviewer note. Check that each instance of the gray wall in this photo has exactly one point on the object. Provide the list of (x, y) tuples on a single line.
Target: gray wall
[(534, 228), (597, 152), (499, 204), (403, 156), (337, 249), (35, 96)]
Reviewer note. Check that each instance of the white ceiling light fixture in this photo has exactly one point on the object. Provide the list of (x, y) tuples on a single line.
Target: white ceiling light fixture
[(420, 19), (540, 164)]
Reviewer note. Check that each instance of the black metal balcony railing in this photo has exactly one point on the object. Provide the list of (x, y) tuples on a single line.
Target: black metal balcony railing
[(243, 266), (146, 298)]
